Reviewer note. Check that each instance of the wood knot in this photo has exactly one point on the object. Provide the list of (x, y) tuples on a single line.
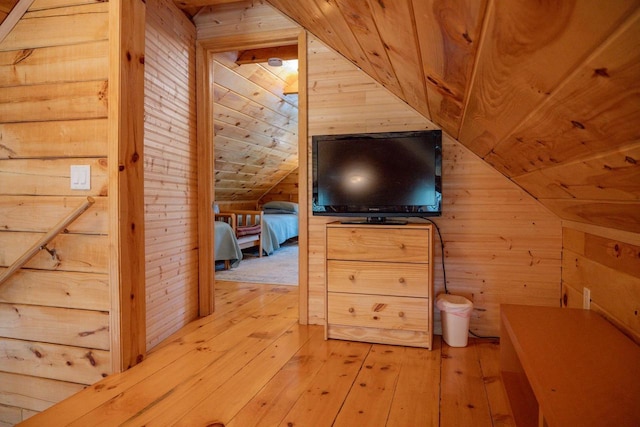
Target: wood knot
[(577, 124), (91, 359), (601, 72), (379, 307)]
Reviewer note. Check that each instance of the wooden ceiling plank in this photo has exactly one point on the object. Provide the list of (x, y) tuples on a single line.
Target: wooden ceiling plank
[(618, 215), (229, 117), (263, 75), (528, 50), (614, 175), (594, 110), (310, 15), (246, 17), (249, 108), (344, 29), (359, 18), (396, 26), (448, 37), (245, 142)]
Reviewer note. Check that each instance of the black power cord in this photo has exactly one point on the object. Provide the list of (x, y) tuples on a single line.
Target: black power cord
[(444, 271)]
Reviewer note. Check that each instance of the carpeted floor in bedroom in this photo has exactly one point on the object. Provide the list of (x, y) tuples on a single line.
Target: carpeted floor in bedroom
[(280, 268)]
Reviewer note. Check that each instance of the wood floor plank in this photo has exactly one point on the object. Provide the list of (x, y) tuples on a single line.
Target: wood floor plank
[(463, 399), (101, 393), (222, 404), (245, 300), (277, 397), (489, 356), (416, 400), (252, 364), (322, 400), (370, 398), (186, 396)]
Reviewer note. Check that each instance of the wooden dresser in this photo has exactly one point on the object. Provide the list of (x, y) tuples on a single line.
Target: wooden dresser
[(380, 283)]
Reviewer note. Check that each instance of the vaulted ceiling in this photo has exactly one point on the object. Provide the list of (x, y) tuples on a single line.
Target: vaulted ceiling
[(546, 92)]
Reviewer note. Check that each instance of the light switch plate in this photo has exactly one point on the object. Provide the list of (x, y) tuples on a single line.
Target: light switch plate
[(80, 177)]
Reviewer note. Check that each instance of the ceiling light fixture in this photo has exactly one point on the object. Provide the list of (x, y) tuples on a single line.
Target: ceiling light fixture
[(275, 62)]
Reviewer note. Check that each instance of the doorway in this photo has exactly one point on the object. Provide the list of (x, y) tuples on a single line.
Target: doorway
[(209, 52)]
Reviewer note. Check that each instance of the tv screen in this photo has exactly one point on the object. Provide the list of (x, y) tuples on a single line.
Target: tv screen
[(378, 175)]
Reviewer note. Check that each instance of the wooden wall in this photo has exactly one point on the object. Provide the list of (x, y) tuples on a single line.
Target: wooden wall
[(501, 246), (287, 189), (54, 313), (170, 172), (607, 262)]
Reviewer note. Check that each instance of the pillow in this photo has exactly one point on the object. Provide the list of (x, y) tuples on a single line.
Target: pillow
[(278, 212), (288, 207), (216, 208)]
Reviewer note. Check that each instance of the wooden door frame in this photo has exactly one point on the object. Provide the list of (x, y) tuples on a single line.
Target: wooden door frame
[(206, 176)]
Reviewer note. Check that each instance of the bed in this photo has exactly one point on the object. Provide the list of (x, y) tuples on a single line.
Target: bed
[(280, 223), (226, 246)]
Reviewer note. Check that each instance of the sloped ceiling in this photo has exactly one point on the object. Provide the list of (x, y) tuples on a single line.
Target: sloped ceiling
[(5, 8), (256, 127), (548, 93)]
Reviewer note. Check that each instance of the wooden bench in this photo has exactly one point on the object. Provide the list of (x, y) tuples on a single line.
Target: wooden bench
[(568, 367), (247, 226)]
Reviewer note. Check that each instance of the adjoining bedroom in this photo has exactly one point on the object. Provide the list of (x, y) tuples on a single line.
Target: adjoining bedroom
[(256, 165)]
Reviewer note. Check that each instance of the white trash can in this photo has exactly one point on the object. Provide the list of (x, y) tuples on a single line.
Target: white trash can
[(455, 312)]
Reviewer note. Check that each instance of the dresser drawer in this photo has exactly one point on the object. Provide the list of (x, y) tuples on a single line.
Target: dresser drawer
[(378, 278), (378, 311), (397, 244)]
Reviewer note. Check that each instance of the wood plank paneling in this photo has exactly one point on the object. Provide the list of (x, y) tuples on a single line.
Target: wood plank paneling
[(557, 91), (66, 26), (614, 175), (448, 35), (16, 214), (83, 62), (64, 101), (256, 128), (286, 189), (500, 244), (58, 362), (170, 171), (55, 334), (608, 264), (520, 66), (574, 121), (396, 25), (73, 252), (243, 17), (87, 291), (50, 177), (80, 328), (77, 138), (34, 393)]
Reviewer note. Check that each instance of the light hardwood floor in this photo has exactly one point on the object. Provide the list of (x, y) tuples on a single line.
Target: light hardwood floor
[(251, 364)]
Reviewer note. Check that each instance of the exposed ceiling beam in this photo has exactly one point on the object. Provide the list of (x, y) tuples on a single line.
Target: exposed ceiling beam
[(256, 56)]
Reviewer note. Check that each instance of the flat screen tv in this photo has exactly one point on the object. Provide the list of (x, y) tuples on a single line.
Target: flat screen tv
[(378, 175)]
